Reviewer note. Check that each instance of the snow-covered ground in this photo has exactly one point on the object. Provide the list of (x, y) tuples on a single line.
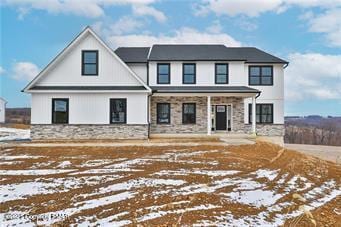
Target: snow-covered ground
[(197, 187), (9, 134)]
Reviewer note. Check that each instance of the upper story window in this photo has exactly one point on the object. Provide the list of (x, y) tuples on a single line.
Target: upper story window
[(163, 113), (118, 111), (90, 62), (264, 113), (188, 73), (163, 73), (260, 75), (60, 111), (221, 73)]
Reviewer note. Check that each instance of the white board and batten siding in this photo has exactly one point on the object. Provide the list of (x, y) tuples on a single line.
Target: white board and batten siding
[(2, 110), (111, 72), (89, 108)]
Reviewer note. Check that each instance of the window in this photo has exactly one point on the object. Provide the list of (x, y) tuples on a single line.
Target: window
[(260, 75), (60, 111), (163, 73), (118, 111), (264, 113), (163, 113), (188, 113), (221, 73), (90, 62), (188, 73)]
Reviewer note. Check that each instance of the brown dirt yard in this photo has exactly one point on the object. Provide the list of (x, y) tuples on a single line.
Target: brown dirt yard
[(200, 185)]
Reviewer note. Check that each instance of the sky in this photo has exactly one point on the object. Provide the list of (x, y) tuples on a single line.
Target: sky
[(307, 33)]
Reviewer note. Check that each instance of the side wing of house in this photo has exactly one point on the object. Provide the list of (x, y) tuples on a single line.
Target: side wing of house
[(88, 91)]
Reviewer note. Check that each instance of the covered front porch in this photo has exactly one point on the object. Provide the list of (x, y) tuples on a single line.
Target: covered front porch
[(217, 111)]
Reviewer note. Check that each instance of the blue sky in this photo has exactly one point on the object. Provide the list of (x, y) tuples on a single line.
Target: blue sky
[(306, 33)]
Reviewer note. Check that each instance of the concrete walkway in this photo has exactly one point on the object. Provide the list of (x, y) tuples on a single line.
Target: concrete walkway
[(329, 153)]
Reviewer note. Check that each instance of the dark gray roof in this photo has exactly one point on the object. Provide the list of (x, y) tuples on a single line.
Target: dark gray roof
[(204, 89), (133, 54), (102, 88), (202, 52)]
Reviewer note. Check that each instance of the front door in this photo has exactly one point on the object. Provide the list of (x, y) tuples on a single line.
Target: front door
[(220, 117)]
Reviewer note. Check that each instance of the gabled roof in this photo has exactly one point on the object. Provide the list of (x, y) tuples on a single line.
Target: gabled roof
[(202, 52), (133, 54), (73, 43)]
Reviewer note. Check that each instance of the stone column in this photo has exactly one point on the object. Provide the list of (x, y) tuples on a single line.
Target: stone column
[(209, 120), (254, 115)]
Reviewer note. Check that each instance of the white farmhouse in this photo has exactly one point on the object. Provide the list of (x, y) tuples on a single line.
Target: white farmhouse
[(2, 110), (90, 91)]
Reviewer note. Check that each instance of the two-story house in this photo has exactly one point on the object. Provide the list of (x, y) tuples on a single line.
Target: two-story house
[(90, 91)]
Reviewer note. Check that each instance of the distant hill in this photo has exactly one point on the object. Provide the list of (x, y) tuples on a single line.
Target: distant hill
[(18, 115), (313, 129)]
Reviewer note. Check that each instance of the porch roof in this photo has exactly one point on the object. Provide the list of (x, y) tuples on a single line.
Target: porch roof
[(203, 89)]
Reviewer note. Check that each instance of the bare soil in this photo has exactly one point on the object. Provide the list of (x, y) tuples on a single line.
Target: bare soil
[(260, 184)]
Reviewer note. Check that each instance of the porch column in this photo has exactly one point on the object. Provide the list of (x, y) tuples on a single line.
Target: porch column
[(209, 121), (254, 115)]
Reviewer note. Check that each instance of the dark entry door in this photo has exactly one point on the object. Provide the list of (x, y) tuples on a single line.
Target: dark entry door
[(220, 115)]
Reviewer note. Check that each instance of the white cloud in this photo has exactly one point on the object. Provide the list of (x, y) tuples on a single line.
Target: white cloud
[(328, 23), (2, 70), (86, 8), (24, 71), (253, 8), (183, 35), (215, 27), (125, 25), (313, 76), (145, 10)]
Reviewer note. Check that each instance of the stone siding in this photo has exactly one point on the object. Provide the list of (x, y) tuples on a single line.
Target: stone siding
[(66, 131), (176, 125), (267, 129)]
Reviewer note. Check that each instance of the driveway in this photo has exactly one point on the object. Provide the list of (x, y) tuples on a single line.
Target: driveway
[(329, 153)]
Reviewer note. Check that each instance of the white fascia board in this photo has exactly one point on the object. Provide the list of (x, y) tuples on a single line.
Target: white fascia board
[(87, 91)]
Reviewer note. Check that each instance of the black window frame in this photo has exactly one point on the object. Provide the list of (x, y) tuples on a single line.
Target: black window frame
[(260, 113), (216, 73), (183, 113), (261, 75), (158, 73), (83, 63), (157, 113), (111, 110), (194, 74), (53, 118)]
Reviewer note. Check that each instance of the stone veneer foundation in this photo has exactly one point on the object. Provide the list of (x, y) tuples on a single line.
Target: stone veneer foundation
[(267, 129), (66, 131)]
